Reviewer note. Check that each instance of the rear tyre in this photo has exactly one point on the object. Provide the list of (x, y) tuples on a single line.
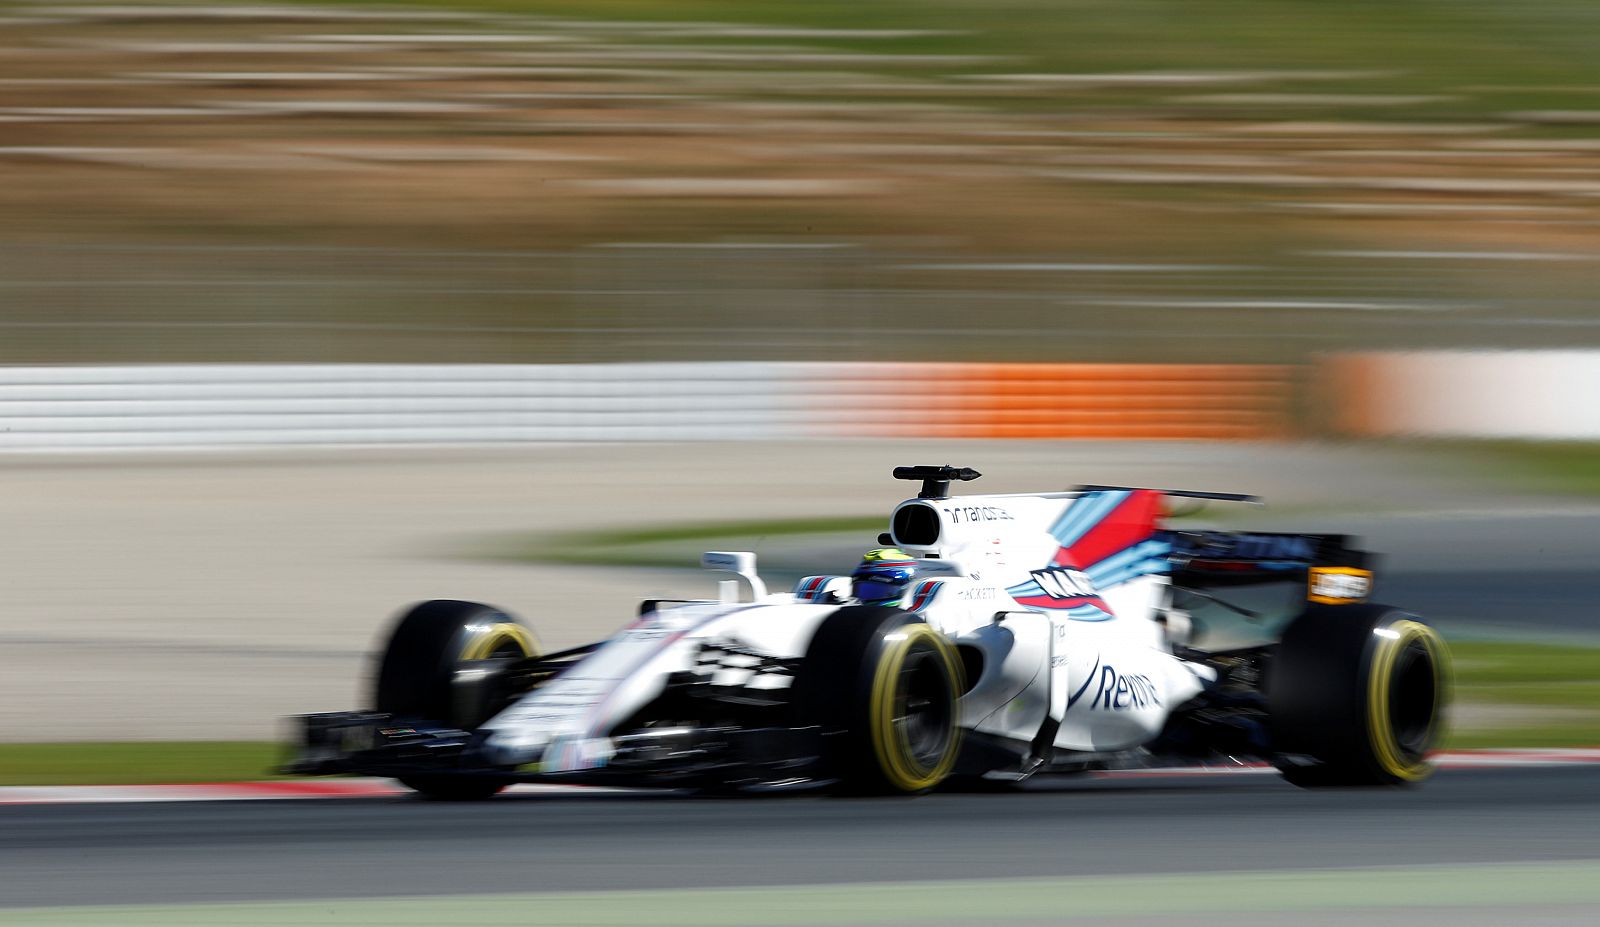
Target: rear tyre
[(883, 687), (420, 677), (1356, 696)]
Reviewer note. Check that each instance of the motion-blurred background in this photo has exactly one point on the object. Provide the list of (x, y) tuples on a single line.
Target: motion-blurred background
[(480, 181), (731, 261)]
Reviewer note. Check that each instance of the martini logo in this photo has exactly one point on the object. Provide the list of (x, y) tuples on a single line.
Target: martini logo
[(1065, 583)]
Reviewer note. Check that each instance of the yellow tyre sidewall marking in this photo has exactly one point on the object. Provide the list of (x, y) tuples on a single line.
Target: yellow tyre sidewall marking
[(1380, 729), (889, 743), (480, 645)]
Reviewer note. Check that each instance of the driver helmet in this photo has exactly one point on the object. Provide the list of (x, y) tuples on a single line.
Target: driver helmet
[(883, 576)]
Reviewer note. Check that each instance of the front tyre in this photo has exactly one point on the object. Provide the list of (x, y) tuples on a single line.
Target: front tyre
[(883, 687), (421, 677), (430, 644), (1356, 696)]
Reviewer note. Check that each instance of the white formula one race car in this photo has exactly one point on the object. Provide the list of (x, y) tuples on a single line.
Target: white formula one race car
[(1037, 633)]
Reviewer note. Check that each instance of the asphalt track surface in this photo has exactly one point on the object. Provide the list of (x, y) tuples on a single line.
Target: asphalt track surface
[(1551, 606), (220, 851), (184, 597), (1499, 574)]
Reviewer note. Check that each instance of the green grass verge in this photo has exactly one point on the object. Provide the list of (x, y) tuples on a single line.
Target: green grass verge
[(1569, 467), (1522, 695), (670, 545), (1533, 54), (1525, 695), (136, 763)]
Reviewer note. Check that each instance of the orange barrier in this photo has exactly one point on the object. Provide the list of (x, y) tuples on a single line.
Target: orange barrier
[(1345, 389), (1042, 401)]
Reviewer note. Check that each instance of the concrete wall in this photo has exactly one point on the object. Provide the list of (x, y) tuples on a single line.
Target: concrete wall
[(231, 406), (1542, 395)]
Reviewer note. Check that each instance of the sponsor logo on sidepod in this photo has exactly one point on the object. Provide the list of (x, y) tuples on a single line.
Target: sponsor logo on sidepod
[(1121, 691), (1116, 691)]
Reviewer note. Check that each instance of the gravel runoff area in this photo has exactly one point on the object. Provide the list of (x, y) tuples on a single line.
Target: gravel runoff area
[(207, 596)]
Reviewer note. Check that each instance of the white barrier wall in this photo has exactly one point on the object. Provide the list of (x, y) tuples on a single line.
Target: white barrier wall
[(1543, 395), (244, 405)]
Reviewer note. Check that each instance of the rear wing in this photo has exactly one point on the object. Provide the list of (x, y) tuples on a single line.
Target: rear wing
[(1267, 551), (1183, 493), (1268, 577), (1331, 571)]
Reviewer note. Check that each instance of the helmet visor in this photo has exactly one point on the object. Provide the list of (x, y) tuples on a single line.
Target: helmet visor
[(878, 590)]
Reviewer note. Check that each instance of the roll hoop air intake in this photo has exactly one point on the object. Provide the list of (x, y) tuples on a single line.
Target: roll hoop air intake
[(936, 480)]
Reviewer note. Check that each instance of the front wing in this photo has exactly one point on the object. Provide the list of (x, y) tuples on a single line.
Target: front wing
[(375, 744)]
